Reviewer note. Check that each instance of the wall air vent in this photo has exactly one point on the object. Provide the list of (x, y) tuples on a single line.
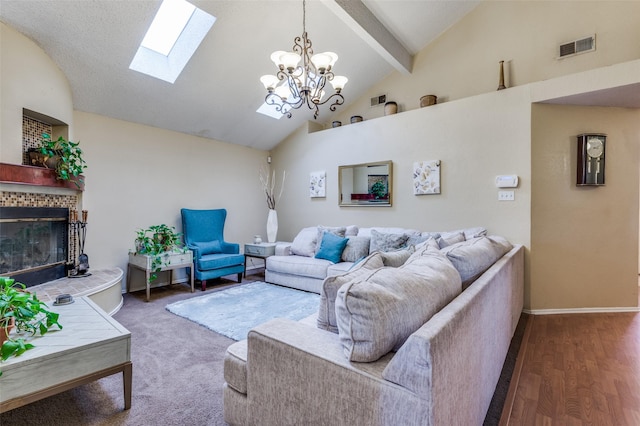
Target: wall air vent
[(583, 45), (378, 100)]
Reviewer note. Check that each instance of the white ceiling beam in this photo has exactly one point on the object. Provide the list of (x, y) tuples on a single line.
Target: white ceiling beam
[(364, 23)]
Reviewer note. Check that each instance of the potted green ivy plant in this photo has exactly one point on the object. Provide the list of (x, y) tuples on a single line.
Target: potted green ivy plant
[(64, 156), (22, 310), (158, 242)]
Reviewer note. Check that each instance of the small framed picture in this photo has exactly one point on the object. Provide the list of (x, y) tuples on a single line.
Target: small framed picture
[(426, 177), (317, 184)]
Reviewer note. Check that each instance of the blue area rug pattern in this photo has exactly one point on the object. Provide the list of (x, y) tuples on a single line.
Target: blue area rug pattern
[(235, 311)]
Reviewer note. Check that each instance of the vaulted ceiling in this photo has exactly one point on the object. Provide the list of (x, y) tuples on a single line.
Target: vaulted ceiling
[(217, 94)]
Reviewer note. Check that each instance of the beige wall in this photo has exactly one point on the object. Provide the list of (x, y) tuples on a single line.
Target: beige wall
[(472, 152), (463, 61), (584, 240), (478, 133), (137, 175), (28, 79), (140, 176)]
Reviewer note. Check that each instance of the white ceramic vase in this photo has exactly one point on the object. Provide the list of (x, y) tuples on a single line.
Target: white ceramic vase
[(272, 226)]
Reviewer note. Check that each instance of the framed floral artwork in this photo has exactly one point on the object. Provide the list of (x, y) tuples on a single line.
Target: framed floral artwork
[(317, 184), (426, 177)]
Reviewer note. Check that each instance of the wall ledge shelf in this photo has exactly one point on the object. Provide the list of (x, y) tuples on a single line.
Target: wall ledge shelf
[(37, 176)]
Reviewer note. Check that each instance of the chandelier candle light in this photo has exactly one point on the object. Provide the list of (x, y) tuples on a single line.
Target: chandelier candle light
[(297, 84)]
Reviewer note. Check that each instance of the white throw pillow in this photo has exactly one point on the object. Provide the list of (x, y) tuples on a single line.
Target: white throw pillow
[(304, 244)]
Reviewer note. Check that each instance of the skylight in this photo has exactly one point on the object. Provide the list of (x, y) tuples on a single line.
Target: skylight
[(171, 19), (173, 37)]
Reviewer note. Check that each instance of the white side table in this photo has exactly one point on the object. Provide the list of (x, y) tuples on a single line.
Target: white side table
[(170, 261)]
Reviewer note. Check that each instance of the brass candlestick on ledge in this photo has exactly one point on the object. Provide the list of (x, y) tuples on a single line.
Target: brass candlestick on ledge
[(501, 82)]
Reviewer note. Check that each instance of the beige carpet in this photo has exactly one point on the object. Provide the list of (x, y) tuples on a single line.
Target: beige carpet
[(177, 373)]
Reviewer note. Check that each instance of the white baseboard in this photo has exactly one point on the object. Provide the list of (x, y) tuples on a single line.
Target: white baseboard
[(580, 311)]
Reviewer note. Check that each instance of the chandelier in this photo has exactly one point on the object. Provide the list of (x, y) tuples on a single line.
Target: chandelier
[(297, 84)]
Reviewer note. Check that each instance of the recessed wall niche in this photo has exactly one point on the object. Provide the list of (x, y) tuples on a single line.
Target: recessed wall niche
[(34, 125)]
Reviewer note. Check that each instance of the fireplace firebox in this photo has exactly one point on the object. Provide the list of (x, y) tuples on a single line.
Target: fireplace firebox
[(34, 243)]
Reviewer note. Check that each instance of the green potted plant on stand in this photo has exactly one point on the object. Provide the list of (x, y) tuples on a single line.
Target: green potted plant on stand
[(22, 310), (158, 242)]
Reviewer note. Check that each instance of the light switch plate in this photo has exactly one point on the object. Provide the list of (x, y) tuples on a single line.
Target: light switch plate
[(506, 195)]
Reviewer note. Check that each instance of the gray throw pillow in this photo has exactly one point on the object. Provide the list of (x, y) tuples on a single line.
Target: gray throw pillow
[(397, 258), (473, 257), (327, 311), (338, 230), (376, 314), (448, 239), (387, 242), (357, 248)]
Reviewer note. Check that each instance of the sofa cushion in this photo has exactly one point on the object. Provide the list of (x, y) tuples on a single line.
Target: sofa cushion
[(377, 313), (298, 265), (336, 230), (330, 286), (331, 247), (339, 268), (357, 248), (235, 366), (352, 231), (304, 244), (219, 260), (449, 238), (381, 241), (398, 257), (472, 257), (421, 237), (366, 232), (208, 247)]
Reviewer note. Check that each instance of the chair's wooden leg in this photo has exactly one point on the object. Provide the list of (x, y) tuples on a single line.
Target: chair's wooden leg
[(240, 277), (204, 285)]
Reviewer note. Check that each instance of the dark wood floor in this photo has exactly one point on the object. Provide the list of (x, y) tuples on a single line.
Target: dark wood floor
[(578, 369)]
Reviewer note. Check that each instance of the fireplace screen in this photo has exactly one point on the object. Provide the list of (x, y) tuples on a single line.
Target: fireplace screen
[(33, 243)]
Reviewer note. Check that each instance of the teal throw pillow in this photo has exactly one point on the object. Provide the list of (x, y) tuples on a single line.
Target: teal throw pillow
[(331, 247), (208, 247)]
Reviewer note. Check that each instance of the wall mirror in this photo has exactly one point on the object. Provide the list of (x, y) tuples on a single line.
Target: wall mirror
[(367, 184)]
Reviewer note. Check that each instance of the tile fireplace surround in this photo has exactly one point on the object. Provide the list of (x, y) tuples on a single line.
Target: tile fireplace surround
[(28, 186)]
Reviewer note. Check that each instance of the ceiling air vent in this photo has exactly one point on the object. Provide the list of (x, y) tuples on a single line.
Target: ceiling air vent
[(587, 44)]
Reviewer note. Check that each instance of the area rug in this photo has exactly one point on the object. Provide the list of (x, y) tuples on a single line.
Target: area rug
[(235, 311)]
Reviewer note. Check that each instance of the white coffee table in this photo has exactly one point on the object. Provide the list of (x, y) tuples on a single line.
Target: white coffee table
[(90, 346)]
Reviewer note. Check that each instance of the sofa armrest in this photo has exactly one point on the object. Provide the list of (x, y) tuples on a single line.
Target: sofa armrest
[(283, 248), (298, 373)]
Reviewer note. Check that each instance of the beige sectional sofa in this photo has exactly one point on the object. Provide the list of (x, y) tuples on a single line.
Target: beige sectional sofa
[(296, 266), (406, 345)]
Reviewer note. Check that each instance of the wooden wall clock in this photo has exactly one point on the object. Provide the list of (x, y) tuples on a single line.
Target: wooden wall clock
[(591, 156)]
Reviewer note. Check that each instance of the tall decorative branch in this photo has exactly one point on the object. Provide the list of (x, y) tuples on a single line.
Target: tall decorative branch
[(268, 182)]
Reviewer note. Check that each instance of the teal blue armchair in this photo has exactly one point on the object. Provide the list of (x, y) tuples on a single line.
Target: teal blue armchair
[(212, 256)]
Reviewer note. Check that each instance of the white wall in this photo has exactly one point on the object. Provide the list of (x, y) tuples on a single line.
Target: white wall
[(28, 79)]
